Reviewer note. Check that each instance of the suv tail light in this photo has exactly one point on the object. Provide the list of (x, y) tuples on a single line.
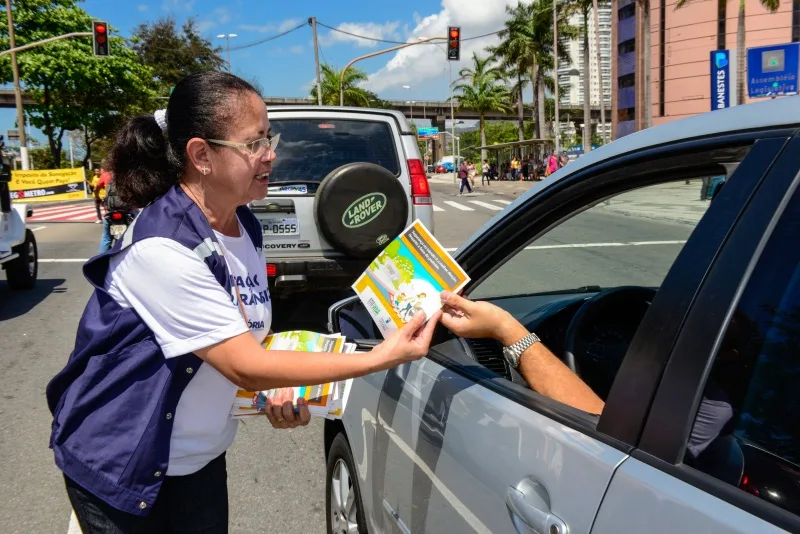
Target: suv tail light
[(271, 269), (420, 190)]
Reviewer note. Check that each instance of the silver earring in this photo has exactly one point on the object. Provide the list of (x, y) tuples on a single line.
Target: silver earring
[(204, 170)]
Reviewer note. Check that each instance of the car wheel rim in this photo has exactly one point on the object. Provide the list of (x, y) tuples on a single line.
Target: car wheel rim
[(344, 509), (31, 259)]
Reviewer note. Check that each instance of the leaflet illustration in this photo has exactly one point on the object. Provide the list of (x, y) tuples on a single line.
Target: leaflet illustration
[(408, 276)]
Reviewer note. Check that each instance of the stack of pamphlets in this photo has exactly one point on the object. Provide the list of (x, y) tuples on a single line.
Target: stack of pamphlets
[(325, 400), (408, 276)]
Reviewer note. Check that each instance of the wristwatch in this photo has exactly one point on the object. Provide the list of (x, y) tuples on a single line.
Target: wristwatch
[(513, 352)]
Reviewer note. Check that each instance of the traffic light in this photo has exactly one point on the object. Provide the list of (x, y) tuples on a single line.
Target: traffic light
[(454, 43), (100, 38)]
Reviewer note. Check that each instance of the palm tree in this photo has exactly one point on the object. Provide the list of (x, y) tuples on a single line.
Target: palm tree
[(353, 95), (528, 34), (771, 6), (483, 93)]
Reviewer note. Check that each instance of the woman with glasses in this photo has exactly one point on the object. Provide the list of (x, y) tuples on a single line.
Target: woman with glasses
[(141, 412)]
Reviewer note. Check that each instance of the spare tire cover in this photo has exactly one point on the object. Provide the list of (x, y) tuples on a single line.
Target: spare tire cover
[(360, 208)]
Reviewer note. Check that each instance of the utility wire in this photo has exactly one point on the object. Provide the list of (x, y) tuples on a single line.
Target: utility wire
[(268, 39), (393, 42)]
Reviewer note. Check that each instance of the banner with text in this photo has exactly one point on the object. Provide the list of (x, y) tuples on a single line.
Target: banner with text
[(47, 185)]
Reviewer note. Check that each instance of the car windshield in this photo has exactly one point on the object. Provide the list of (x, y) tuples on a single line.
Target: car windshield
[(311, 148)]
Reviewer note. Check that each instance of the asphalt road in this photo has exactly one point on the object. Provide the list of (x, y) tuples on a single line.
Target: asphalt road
[(276, 478)]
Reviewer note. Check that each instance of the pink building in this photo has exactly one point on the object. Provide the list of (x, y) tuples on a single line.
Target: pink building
[(680, 43)]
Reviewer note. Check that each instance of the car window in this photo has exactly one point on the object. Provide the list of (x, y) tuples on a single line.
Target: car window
[(629, 239), (311, 148), (747, 428)]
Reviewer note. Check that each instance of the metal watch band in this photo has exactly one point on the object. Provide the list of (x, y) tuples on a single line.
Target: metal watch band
[(513, 352)]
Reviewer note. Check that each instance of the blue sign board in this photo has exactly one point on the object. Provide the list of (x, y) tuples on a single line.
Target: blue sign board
[(773, 70), (425, 132), (720, 79)]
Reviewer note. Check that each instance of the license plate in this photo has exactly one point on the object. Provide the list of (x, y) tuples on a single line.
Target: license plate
[(280, 226), (116, 230), (288, 190)]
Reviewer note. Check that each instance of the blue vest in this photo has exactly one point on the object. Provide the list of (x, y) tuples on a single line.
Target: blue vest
[(114, 403)]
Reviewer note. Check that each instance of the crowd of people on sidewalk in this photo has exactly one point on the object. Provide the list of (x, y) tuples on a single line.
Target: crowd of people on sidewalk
[(518, 169)]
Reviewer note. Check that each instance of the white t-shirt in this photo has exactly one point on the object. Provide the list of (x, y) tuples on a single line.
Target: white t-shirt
[(178, 298)]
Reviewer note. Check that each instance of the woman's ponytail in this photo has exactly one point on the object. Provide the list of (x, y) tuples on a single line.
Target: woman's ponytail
[(142, 171)]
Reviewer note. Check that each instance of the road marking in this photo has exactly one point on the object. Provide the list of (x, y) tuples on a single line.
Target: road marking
[(90, 215), (456, 205), (63, 260), (74, 527), (596, 245), (437, 208), (38, 228), (59, 212), (506, 202), (485, 205)]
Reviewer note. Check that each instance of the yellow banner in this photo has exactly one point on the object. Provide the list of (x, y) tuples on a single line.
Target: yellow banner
[(47, 185)]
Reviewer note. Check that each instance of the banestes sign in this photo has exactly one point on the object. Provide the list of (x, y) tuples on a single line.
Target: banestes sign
[(720, 79), (364, 210)]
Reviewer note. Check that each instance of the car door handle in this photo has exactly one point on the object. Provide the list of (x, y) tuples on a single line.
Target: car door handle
[(529, 505)]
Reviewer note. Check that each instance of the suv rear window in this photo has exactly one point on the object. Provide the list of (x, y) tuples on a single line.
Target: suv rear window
[(311, 148)]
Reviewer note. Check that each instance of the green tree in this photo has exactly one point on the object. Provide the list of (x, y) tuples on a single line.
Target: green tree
[(173, 54), (483, 92), (71, 88), (771, 6), (528, 39), (353, 95)]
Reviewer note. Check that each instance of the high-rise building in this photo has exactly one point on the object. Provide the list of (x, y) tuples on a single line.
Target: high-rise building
[(681, 41), (571, 77)]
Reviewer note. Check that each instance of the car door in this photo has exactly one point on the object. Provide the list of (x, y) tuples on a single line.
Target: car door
[(720, 451), (457, 441)]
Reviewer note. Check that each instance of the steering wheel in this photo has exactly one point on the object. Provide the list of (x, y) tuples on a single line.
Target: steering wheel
[(599, 334)]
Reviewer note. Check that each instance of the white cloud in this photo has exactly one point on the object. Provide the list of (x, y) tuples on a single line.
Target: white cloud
[(222, 15), (387, 31), (297, 49), (178, 5), (418, 65), (286, 25), (143, 7)]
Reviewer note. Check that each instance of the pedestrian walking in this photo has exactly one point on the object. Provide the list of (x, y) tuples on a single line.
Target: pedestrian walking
[(99, 191), (463, 174), (552, 164), (141, 412), (486, 173), (471, 172)]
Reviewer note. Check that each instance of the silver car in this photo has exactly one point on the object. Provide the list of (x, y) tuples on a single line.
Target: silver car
[(682, 314), (345, 182)]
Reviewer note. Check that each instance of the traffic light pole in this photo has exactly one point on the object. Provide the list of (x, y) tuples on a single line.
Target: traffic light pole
[(23, 144), (341, 78)]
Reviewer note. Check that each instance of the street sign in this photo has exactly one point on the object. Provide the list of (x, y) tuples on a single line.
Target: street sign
[(427, 132), (721, 80), (13, 135), (773, 70)]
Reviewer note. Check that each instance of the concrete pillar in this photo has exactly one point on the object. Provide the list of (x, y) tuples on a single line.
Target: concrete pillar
[(439, 144)]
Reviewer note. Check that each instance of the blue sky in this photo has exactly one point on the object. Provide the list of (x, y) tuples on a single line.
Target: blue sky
[(285, 66)]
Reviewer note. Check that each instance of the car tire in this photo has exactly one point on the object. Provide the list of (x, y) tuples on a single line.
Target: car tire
[(21, 272), (343, 510), (359, 208)]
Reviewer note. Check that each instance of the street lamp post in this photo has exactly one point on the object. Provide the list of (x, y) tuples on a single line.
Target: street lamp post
[(228, 37), (23, 145), (450, 87), (555, 72)]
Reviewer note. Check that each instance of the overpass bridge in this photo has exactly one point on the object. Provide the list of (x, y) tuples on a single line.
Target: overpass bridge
[(435, 111)]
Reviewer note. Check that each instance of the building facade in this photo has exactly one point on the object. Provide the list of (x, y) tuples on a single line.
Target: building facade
[(680, 43), (571, 76)]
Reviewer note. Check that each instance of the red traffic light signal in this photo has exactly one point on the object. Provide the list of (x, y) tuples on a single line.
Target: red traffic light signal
[(100, 38), (454, 43)]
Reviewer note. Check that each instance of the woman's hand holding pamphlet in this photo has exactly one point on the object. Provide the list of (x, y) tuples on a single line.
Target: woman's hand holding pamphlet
[(406, 277)]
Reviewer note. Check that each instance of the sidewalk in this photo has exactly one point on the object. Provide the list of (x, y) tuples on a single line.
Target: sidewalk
[(675, 201)]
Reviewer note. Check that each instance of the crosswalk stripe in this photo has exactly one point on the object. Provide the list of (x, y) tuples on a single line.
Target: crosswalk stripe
[(437, 208), (485, 205), (85, 216), (456, 205), (506, 202), (62, 212)]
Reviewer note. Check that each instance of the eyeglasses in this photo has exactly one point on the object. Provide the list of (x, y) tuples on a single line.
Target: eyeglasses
[(255, 148)]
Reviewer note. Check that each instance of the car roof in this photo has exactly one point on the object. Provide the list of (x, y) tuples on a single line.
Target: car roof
[(397, 115), (773, 113)]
